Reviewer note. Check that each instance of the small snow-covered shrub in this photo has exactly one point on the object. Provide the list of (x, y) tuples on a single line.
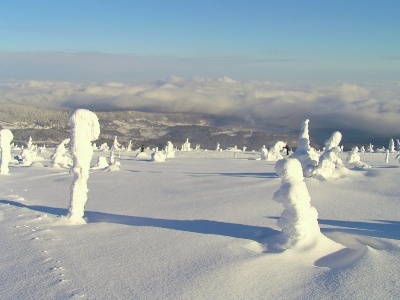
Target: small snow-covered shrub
[(60, 156), (353, 159), (158, 156), (264, 153), (101, 163)]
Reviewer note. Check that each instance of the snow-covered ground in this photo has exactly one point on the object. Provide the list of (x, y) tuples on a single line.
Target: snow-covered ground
[(198, 226)]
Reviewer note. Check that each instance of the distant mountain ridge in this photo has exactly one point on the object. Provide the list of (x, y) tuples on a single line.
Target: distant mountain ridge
[(50, 126)]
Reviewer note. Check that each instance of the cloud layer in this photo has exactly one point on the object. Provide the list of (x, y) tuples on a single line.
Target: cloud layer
[(371, 106)]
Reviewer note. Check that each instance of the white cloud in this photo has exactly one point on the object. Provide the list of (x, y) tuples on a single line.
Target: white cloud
[(369, 106)]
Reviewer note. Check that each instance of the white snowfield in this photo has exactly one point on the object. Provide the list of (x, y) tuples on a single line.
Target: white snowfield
[(202, 225)]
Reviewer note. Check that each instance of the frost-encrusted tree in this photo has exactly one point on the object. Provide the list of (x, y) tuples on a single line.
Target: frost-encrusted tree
[(158, 156), (170, 152), (397, 145), (101, 163), (186, 146), (362, 150), (129, 148), (25, 157), (275, 152), (306, 154), (353, 159), (298, 221), (370, 148), (115, 147), (85, 128), (329, 160), (218, 147), (391, 146), (30, 145), (6, 137), (60, 156), (264, 153)]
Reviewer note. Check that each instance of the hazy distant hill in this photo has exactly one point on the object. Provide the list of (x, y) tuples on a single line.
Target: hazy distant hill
[(49, 126)]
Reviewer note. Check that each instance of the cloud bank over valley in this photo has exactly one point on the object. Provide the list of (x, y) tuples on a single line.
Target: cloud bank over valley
[(370, 106)]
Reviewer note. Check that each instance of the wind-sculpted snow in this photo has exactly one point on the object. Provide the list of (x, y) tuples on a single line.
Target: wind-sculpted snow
[(202, 225)]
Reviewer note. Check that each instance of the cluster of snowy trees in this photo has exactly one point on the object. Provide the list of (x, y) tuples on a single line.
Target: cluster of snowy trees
[(298, 220)]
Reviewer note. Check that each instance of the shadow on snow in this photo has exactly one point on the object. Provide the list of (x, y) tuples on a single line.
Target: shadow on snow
[(243, 231), (381, 229)]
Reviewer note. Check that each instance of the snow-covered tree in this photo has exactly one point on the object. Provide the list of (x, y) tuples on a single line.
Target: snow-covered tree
[(306, 154), (391, 146), (129, 148), (244, 148), (101, 163), (30, 145), (274, 153), (158, 156), (370, 148), (25, 157), (6, 137), (299, 219), (264, 153), (329, 160), (354, 160), (60, 156), (170, 152), (362, 150), (186, 146), (218, 147), (115, 147), (398, 145), (85, 128)]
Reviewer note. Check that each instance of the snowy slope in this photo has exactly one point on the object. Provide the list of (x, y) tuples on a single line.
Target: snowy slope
[(199, 226)]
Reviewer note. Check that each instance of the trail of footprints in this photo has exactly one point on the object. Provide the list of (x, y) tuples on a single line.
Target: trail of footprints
[(40, 237)]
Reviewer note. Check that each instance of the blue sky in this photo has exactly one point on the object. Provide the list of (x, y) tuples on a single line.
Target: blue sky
[(246, 40)]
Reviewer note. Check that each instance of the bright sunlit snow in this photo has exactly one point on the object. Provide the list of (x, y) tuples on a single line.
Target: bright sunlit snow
[(202, 225)]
